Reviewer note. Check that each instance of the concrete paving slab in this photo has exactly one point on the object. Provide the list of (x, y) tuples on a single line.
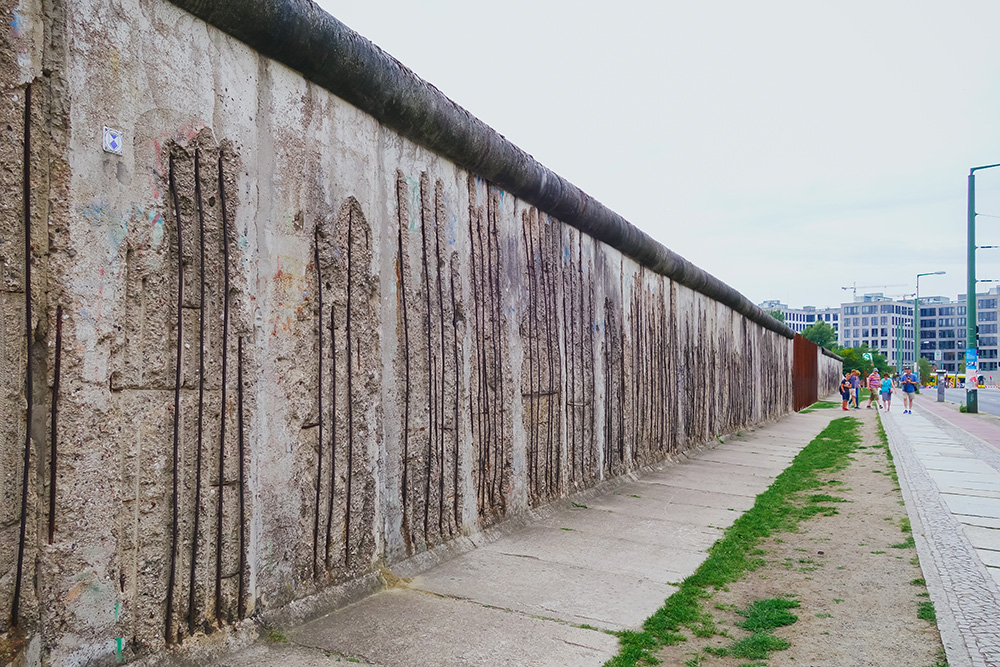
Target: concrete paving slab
[(975, 493), (745, 457), (393, 628), (983, 538), (290, 654), (670, 493), (634, 528), (985, 521), (717, 479), (965, 480), (972, 505), (684, 513), (990, 557), (952, 463), (650, 558), (571, 593)]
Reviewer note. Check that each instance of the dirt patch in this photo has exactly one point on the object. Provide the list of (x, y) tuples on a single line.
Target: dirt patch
[(854, 575)]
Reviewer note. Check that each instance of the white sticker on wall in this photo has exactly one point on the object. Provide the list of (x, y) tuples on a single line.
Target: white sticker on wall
[(113, 141)]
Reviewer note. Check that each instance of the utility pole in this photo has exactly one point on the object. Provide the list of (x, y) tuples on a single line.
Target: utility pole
[(972, 393)]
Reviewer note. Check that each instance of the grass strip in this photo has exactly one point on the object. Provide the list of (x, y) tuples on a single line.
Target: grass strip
[(780, 508), (819, 405)]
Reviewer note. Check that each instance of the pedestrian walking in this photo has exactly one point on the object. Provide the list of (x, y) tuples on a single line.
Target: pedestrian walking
[(908, 383), (874, 385), (845, 391), (856, 388), (886, 391)]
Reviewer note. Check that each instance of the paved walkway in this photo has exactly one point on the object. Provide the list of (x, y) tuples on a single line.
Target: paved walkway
[(949, 470), (537, 595)]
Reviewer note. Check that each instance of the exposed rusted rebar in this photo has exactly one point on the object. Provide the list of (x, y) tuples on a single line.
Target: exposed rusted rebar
[(28, 339), (319, 401), (222, 410), (201, 392), (169, 630), (53, 437)]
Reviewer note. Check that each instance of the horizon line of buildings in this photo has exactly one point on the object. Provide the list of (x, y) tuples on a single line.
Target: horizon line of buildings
[(885, 323)]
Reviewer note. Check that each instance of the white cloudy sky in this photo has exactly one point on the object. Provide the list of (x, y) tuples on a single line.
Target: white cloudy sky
[(790, 147)]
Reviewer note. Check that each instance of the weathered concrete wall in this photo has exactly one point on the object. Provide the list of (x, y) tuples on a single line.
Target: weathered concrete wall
[(293, 346)]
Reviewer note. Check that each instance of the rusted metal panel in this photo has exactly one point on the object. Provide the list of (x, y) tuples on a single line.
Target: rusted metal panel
[(805, 373)]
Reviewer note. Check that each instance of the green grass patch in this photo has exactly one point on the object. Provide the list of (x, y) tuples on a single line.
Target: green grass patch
[(276, 637), (766, 615), (908, 543), (925, 610), (757, 646), (820, 405), (778, 509)]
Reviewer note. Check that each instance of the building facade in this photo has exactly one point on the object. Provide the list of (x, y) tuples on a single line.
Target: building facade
[(798, 319), (885, 324)]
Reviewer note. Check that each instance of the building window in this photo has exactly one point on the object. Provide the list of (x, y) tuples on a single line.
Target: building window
[(988, 341), (987, 304), (988, 316), (988, 328)]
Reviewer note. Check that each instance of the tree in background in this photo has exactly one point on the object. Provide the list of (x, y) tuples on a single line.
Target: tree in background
[(924, 368), (777, 314), (854, 360), (821, 333)]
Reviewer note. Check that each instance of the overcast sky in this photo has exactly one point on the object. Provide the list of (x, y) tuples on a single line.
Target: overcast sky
[(790, 147)]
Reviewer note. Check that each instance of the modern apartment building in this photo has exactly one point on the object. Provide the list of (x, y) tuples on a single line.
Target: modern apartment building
[(881, 323), (943, 330), (798, 319)]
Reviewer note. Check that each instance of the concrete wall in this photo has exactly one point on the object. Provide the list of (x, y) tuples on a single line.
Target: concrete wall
[(282, 346)]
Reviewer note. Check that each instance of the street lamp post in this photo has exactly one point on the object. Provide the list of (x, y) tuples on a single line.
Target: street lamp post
[(971, 393), (916, 320)]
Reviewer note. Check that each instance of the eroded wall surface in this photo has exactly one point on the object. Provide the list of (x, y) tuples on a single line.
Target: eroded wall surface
[(275, 345)]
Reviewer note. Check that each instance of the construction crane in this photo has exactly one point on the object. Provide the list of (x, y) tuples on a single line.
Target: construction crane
[(854, 288)]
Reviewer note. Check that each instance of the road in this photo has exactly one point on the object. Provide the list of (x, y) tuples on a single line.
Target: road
[(989, 399)]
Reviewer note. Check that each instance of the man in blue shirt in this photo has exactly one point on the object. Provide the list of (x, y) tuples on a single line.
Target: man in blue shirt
[(908, 383)]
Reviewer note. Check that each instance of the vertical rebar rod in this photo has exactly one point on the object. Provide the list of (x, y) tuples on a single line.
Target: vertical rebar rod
[(201, 392), (438, 224), (401, 286), (177, 407), (241, 604), (350, 389), (224, 393), (476, 403), (28, 379), (492, 201), (319, 400), (529, 256), (53, 450), (333, 432), (431, 412), (455, 370)]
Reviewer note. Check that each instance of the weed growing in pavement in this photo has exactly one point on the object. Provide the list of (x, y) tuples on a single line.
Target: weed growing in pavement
[(276, 637), (780, 508), (925, 610)]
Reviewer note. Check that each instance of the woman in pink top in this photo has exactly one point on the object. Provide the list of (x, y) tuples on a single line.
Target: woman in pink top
[(874, 384)]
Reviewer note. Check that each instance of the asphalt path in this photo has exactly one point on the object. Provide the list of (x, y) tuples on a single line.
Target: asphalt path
[(989, 399)]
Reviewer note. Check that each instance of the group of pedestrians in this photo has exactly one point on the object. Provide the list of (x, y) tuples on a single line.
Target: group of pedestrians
[(879, 390)]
